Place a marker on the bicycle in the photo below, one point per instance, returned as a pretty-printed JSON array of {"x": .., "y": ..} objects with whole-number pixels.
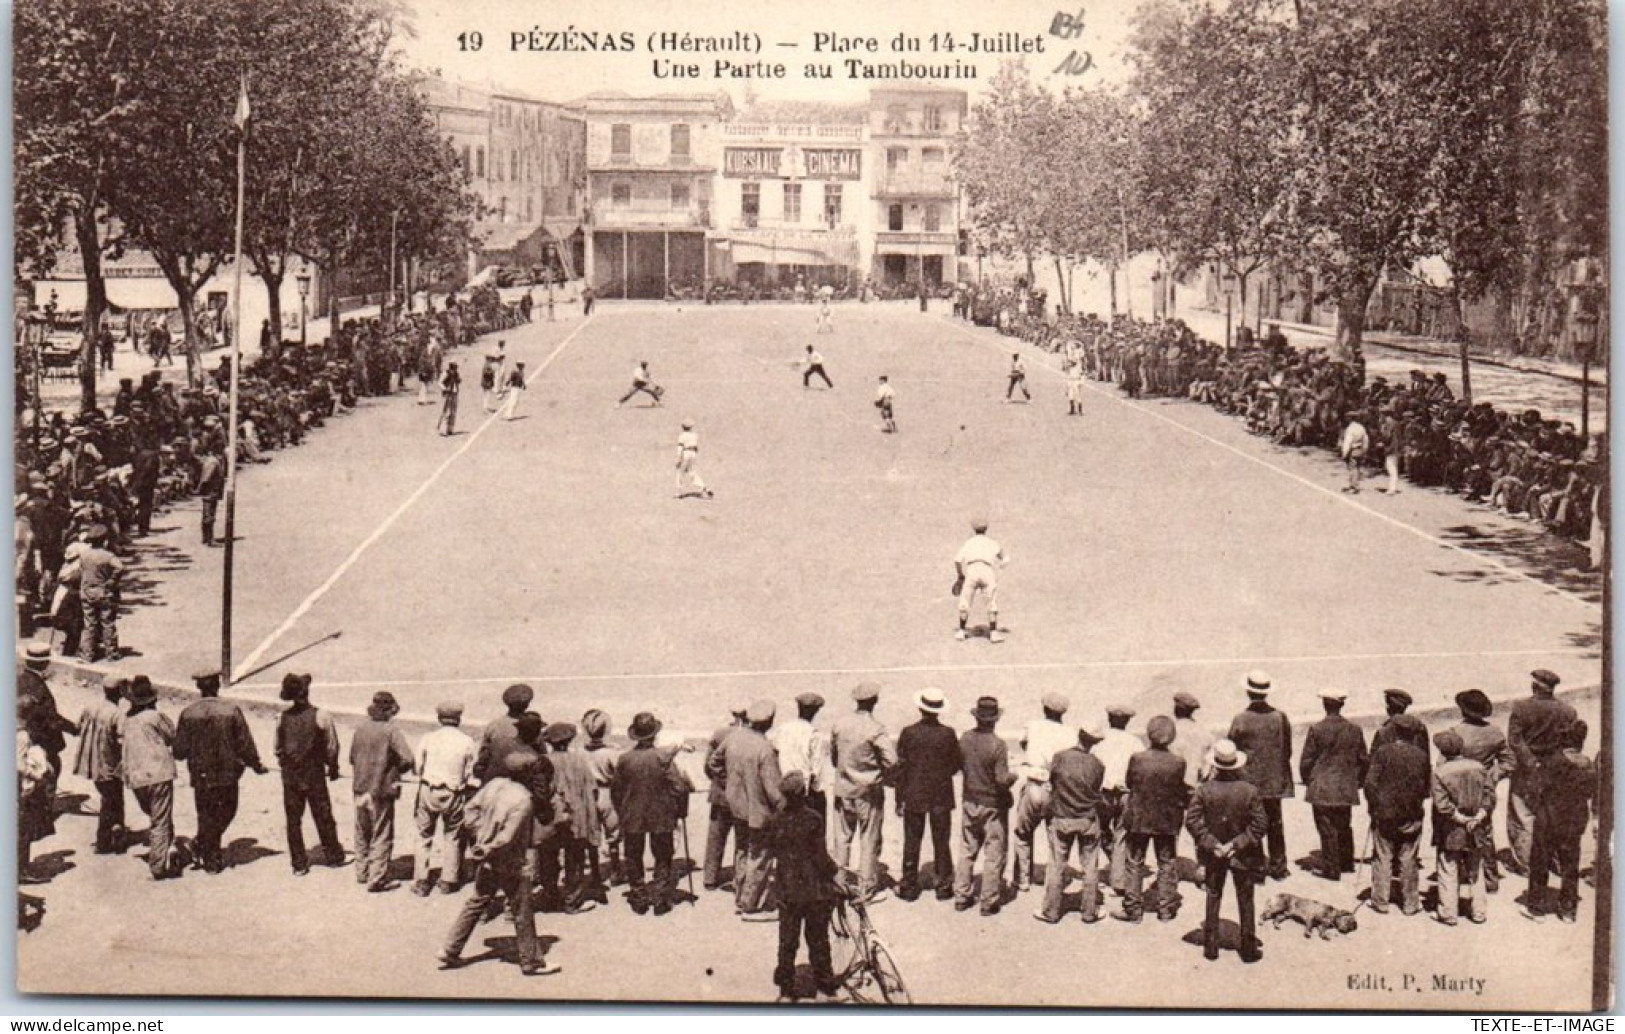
[{"x": 869, "y": 968}]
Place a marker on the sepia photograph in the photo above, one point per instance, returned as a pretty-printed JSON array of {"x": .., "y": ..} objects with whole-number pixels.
[{"x": 1241, "y": 368}]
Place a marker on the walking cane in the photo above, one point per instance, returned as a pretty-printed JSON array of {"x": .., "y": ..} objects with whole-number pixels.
[{"x": 693, "y": 899}]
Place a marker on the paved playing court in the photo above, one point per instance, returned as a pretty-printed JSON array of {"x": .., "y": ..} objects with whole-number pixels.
[{"x": 1153, "y": 545}]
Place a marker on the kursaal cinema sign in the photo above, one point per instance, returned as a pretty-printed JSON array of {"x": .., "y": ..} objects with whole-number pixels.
[{"x": 815, "y": 163}]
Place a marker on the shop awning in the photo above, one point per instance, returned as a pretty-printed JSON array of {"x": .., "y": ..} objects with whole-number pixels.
[{"x": 749, "y": 251}]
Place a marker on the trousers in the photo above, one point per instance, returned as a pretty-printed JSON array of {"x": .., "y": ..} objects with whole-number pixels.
[
  {"x": 716, "y": 845},
  {"x": 982, "y": 831},
  {"x": 110, "y": 816},
  {"x": 216, "y": 808},
  {"x": 1401, "y": 846},
  {"x": 809, "y": 919},
  {"x": 1215, "y": 873},
  {"x": 662, "y": 847},
  {"x": 1521, "y": 825},
  {"x": 1031, "y": 810},
  {"x": 158, "y": 803},
  {"x": 438, "y": 818},
  {"x": 374, "y": 838},
  {"x": 1460, "y": 871},
  {"x": 1165, "y": 893},
  {"x": 508, "y": 876},
  {"x": 914, "y": 822},
  {"x": 1063, "y": 839},
  {"x": 1551, "y": 849},
  {"x": 1275, "y": 841},
  {"x": 860, "y": 819},
  {"x": 1335, "y": 824},
  {"x": 751, "y": 874},
  {"x": 296, "y": 794}
]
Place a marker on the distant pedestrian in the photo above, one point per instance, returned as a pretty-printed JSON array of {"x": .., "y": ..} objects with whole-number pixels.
[
  {"x": 587, "y": 297},
  {"x": 806, "y": 873},
  {"x": 451, "y": 385},
  {"x": 864, "y": 755},
  {"x": 211, "y": 486},
  {"x": 826, "y": 318},
  {"x": 886, "y": 401},
  {"x": 1226, "y": 819},
  {"x": 379, "y": 756},
  {"x": 928, "y": 758},
  {"x": 214, "y": 740},
  {"x": 1353, "y": 445},
  {"x": 689, "y": 482},
  {"x": 576, "y": 835},
  {"x": 146, "y": 740},
  {"x": 445, "y": 766},
  {"x": 514, "y": 388},
  {"x": 307, "y": 752},
  {"x": 1017, "y": 379},
  {"x": 976, "y": 572},
  {"x": 99, "y": 761},
  {"x": 601, "y": 758},
  {"x": 489, "y": 385},
  {"x": 984, "y": 820}
]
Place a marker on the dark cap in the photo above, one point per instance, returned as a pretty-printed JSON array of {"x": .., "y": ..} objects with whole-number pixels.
[
  {"x": 518, "y": 695},
  {"x": 809, "y": 700},
  {"x": 1474, "y": 703},
  {"x": 1397, "y": 697},
  {"x": 1184, "y": 699},
  {"x": 559, "y": 733},
  {"x": 1546, "y": 678},
  {"x": 986, "y": 709}
]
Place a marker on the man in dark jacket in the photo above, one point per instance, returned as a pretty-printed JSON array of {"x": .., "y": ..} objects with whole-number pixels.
[
  {"x": 1152, "y": 815},
  {"x": 144, "y": 470},
  {"x": 307, "y": 751},
  {"x": 650, "y": 795},
  {"x": 1264, "y": 736},
  {"x": 212, "y": 737},
  {"x": 1226, "y": 818},
  {"x": 1075, "y": 778},
  {"x": 795, "y": 837},
  {"x": 1399, "y": 724},
  {"x": 1535, "y": 731},
  {"x": 1397, "y": 785},
  {"x": 753, "y": 798},
  {"x": 985, "y": 819},
  {"x": 927, "y": 761},
  {"x": 501, "y": 735},
  {"x": 1333, "y": 770},
  {"x": 721, "y": 822},
  {"x": 1570, "y": 783}
]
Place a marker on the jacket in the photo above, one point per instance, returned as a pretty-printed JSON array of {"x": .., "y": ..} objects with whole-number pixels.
[
  {"x": 1075, "y": 778},
  {"x": 307, "y": 745},
  {"x": 497, "y": 822},
  {"x": 1229, "y": 809},
  {"x": 1333, "y": 762},
  {"x": 650, "y": 794},
  {"x": 1397, "y": 784},
  {"x": 1535, "y": 732},
  {"x": 863, "y": 753},
  {"x": 806, "y": 872},
  {"x": 1565, "y": 802},
  {"x": 1156, "y": 793},
  {"x": 1458, "y": 796},
  {"x": 1403, "y": 726},
  {"x": 716, "y": 765},
  {"x": 753, "y": 778},
  {"x": 927, "y": 761},
  {"x": 379, "y": 756},
  {"x": 576, "y": 788},
  {"x": 145, "y": 738},
  {"x": 98, "y": 758},
  {"x": 986, "y": 776},
  {"x": 1266, "y": 736},
  {"x": 212, "y": 737}
]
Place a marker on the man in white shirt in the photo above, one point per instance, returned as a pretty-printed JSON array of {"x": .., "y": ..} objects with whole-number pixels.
[
  {"x": 445, "y": 764},
  {"x": 1192, "y": 741},
  {"x": 884, "y": 400},
  {"x": 514, "y": 387},
  {"x": 815, "y": 365},
  {"x": 689, "y": 481},
  {"x": 804, "y": 748},
  {"x": 1353, "y": 447},
  {"x": 976, "y": 566},
  {"x": 641, "y": 381},
  {"x": 1114, "y": 753},
  {"x": 1045, "y": 737}
]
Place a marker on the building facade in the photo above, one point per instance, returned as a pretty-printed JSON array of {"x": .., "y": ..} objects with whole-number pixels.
[
  {"x": 915, "y": 203},
  {"x": 792, "y": 196},
  {"x": 651, "y": 166}
]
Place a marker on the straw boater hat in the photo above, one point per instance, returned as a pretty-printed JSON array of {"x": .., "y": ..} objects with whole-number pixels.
[{"x": 1227, "y": 757}]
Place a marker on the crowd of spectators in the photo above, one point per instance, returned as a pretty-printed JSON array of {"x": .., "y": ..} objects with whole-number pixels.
[{"x": 102, "y": 474}]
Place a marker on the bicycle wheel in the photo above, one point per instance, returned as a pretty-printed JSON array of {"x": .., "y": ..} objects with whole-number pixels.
[{"x": 886, "y": 974}]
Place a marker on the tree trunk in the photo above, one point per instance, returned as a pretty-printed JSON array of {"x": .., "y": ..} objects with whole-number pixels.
[
  {"x": 1061, "y": 286},
  {"x": 273, "y": 296},
  {"x": 90, "y": 254},
  {"x": 1306, "y": 298},
  {"x": 1461, "y": 337},
  {"x": 1030, "y": 274},
  {"x": 185, "y": 296},
  {"x": 1351, "y": 308},
  {"x": 1111, "y": 271},
  {"x": 332, "y": 304}
]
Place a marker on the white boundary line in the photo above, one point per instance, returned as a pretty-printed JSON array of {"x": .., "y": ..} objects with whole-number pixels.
[
  {"x": 321, "y": 590},
  {"x": 1041, "y": 361},
  {"x": 916, "y": 669}
]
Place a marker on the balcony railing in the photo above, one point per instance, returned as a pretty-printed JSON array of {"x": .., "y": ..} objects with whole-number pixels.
[
  {"x": 648, "y": 213},
  {"x": 915, "y": 238},
  {"x": 912, "y": 182}
]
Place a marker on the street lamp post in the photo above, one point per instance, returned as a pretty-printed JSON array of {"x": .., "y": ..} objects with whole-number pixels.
[
  {"x": 303, "y": 280},
  {"x": 1229, "y": 295},
  {"x": 1585, "y": 335}
]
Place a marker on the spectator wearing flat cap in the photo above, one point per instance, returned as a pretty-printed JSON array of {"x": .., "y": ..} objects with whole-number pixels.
[
  {"x": 720, "y": 823},
  {"x": 575, "y": 830},
  {"x": 146, "y": 743},
  {"x": 445, "y": 766},
  {"x": 651, "y": 795},
  {"x": 863, "y": 754},
  {"x": 1152, "y": 816},
  {"x": 601, "y": 760},
  {"x": 1333, "y": 768},
  {"x": 1114, "y": 752},
  {"x": 804, "y": 748},
  {"x": 1043, "y": 738},
  {"x": 1192, "y": 740},
  {"x": 1486, "y": 744},
  {"x": 1399, "y": 725},
  {"x": 753, "y": 798},
  {"x": 1560, "y": 823},
  {"x": 1458, "y": 807},
  {"x": 307, "y": 752},
  {"x": 1535, "y": 731},
  {"x": 498, "y": 821},
  {"x": 99, "y": 575},
  {"x": 806, "y": 874},
  {"x": 1076, "y": 776},
  {"x": 211, "y": 485},
  {"x": 379, "y": 756},
  {"x": 1264, "y": 736},
  {"x": 984, "y": 820},
  {"x": 501, "y": 734},
  {"x": 213, "y": 738},
  {"x": 927, "y": 760},
  {"x": 98, "y": 760},
  {"x": 1227, "y": 819},
  {"x": 1397, "y": 784}
]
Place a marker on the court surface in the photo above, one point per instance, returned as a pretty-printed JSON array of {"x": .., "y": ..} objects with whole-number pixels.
[{"x": 1153, "y": 545}]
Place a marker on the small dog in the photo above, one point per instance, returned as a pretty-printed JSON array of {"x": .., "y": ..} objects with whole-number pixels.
[{"x": 1315, "y": 916}]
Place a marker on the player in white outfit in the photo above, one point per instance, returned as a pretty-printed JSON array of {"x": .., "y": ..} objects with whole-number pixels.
[
  {"x": 825, "y": 317},
  {"x": 1074, "y": 387},
  {"x": 977, "y": 566},
  {"x": 689, "y": 481},
  {"x": 884, "y": 399}
]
